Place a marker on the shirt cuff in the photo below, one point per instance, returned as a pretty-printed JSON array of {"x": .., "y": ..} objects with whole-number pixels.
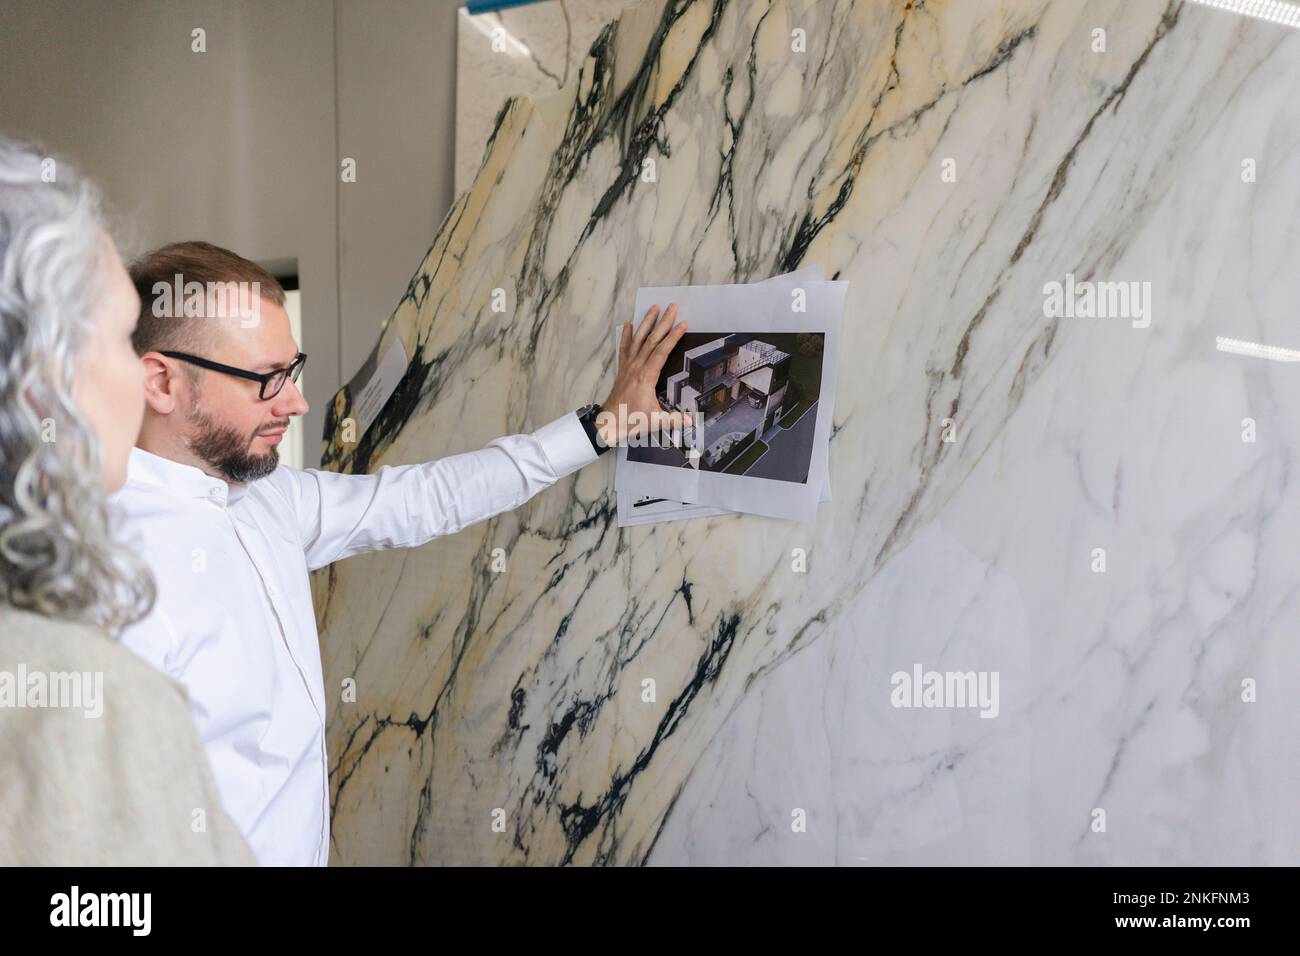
[{"x": 565, "y": 444}]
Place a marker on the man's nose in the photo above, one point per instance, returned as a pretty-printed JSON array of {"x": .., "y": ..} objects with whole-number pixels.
[{"x": 289, "y": 402}]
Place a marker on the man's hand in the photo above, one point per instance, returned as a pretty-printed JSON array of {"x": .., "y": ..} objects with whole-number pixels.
[{"x": 641, "y": 358}]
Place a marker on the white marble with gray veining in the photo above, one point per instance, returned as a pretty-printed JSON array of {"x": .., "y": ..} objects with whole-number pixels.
[
  {"x": 521, "y": 691},
  {"x": 532, "y": 50}
]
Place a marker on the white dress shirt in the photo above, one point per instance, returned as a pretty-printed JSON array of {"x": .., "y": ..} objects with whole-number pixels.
[{"x": 234, "y": 621}]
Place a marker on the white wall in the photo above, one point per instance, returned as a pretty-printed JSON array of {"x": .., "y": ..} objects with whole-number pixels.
[
  {"x": 397, "y": 119},
  {"x": 241, "y": 145}
]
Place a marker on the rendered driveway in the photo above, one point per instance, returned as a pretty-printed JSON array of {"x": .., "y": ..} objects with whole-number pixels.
[
  {"x": 741, "y": 417},
  {"x": 789, "y": 451}
]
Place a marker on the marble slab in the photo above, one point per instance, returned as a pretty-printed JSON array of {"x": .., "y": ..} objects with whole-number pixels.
[
  {"x": 1090, "y": 504},
  {"x": 532, "y": 50}
]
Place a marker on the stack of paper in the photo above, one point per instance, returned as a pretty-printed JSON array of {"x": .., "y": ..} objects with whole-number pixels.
[{"x": 756, "y": 372}]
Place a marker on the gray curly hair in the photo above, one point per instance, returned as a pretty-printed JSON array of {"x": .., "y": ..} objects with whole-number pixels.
[{"x": 58, "y": 555}]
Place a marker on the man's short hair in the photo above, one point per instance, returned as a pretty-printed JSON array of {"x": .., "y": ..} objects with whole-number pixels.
[{"x": 201, "y": 262}]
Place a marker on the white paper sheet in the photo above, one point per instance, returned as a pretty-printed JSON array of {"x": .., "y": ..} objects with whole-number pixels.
[
  {"x": 649, "y": 509},
  {"x": 751, "y": 322},
  {"x": 382, "y": 380}
]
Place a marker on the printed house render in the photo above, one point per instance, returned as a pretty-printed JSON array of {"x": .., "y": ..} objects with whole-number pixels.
[{"x": 716, "y": 378}]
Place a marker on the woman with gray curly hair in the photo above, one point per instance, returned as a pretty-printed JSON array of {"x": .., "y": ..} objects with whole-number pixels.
[{"x": 101, "y": 761}]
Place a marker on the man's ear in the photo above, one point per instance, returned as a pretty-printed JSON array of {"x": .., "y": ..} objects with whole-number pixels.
[{"x": 162, "y": 382}]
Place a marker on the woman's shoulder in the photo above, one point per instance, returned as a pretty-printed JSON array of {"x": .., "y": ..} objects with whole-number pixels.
[
  {"x": 102, "y": 759},
  {"x": 55, "y": 672},
  {"x": 42, "y": 644}
]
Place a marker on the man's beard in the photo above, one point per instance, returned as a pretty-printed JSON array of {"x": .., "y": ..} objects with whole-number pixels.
[{"x": 227, "y": 451}]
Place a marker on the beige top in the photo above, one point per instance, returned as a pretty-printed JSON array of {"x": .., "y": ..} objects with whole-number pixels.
[{"x": 116, "y": 775}]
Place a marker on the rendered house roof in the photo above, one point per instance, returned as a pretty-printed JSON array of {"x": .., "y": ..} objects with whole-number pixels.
[
  {"x": 763, "y": 355},
  {"x": 706, "y": 347},
  {"x": 713, "y": 357}
]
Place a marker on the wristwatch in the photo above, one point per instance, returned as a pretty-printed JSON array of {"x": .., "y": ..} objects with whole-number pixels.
[{"x": 587, "y": 416}]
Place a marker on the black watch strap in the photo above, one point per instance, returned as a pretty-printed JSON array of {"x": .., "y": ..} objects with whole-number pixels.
[{"x": 587, "y": 416}]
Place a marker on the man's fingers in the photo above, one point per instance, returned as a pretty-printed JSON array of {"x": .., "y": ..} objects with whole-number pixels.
[
  {"x": 647, "y": 323},
  {"x": 625, "y": 343},
  {"x": 660, "y": 354},
  {"x": 663, "y": 328},
  {"x": 660, "y": 325}
]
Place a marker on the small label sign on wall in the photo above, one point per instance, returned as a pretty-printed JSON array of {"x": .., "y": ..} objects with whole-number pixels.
[{"x": 380, "y": 386}]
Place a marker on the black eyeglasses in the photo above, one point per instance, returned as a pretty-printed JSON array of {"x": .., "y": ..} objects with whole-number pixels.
[{"x": 271, "y": 382}]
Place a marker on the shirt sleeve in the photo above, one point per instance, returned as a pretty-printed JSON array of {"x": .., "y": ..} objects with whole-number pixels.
[
  {"x": 154, "y": 639},
  {"x": 402, "y": 506}
]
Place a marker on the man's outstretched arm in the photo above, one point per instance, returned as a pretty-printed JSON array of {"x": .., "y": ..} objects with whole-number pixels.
[{"x": 407, "y": 505}]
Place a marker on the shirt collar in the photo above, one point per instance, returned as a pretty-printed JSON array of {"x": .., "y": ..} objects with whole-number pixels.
[{"x": 186, "y": 480}]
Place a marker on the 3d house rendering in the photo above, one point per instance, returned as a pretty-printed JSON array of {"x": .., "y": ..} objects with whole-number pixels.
[{"x": 735, "y": 386}]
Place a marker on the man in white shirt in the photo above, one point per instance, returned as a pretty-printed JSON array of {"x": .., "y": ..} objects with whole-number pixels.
[{"x": 231, "y": 534}]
